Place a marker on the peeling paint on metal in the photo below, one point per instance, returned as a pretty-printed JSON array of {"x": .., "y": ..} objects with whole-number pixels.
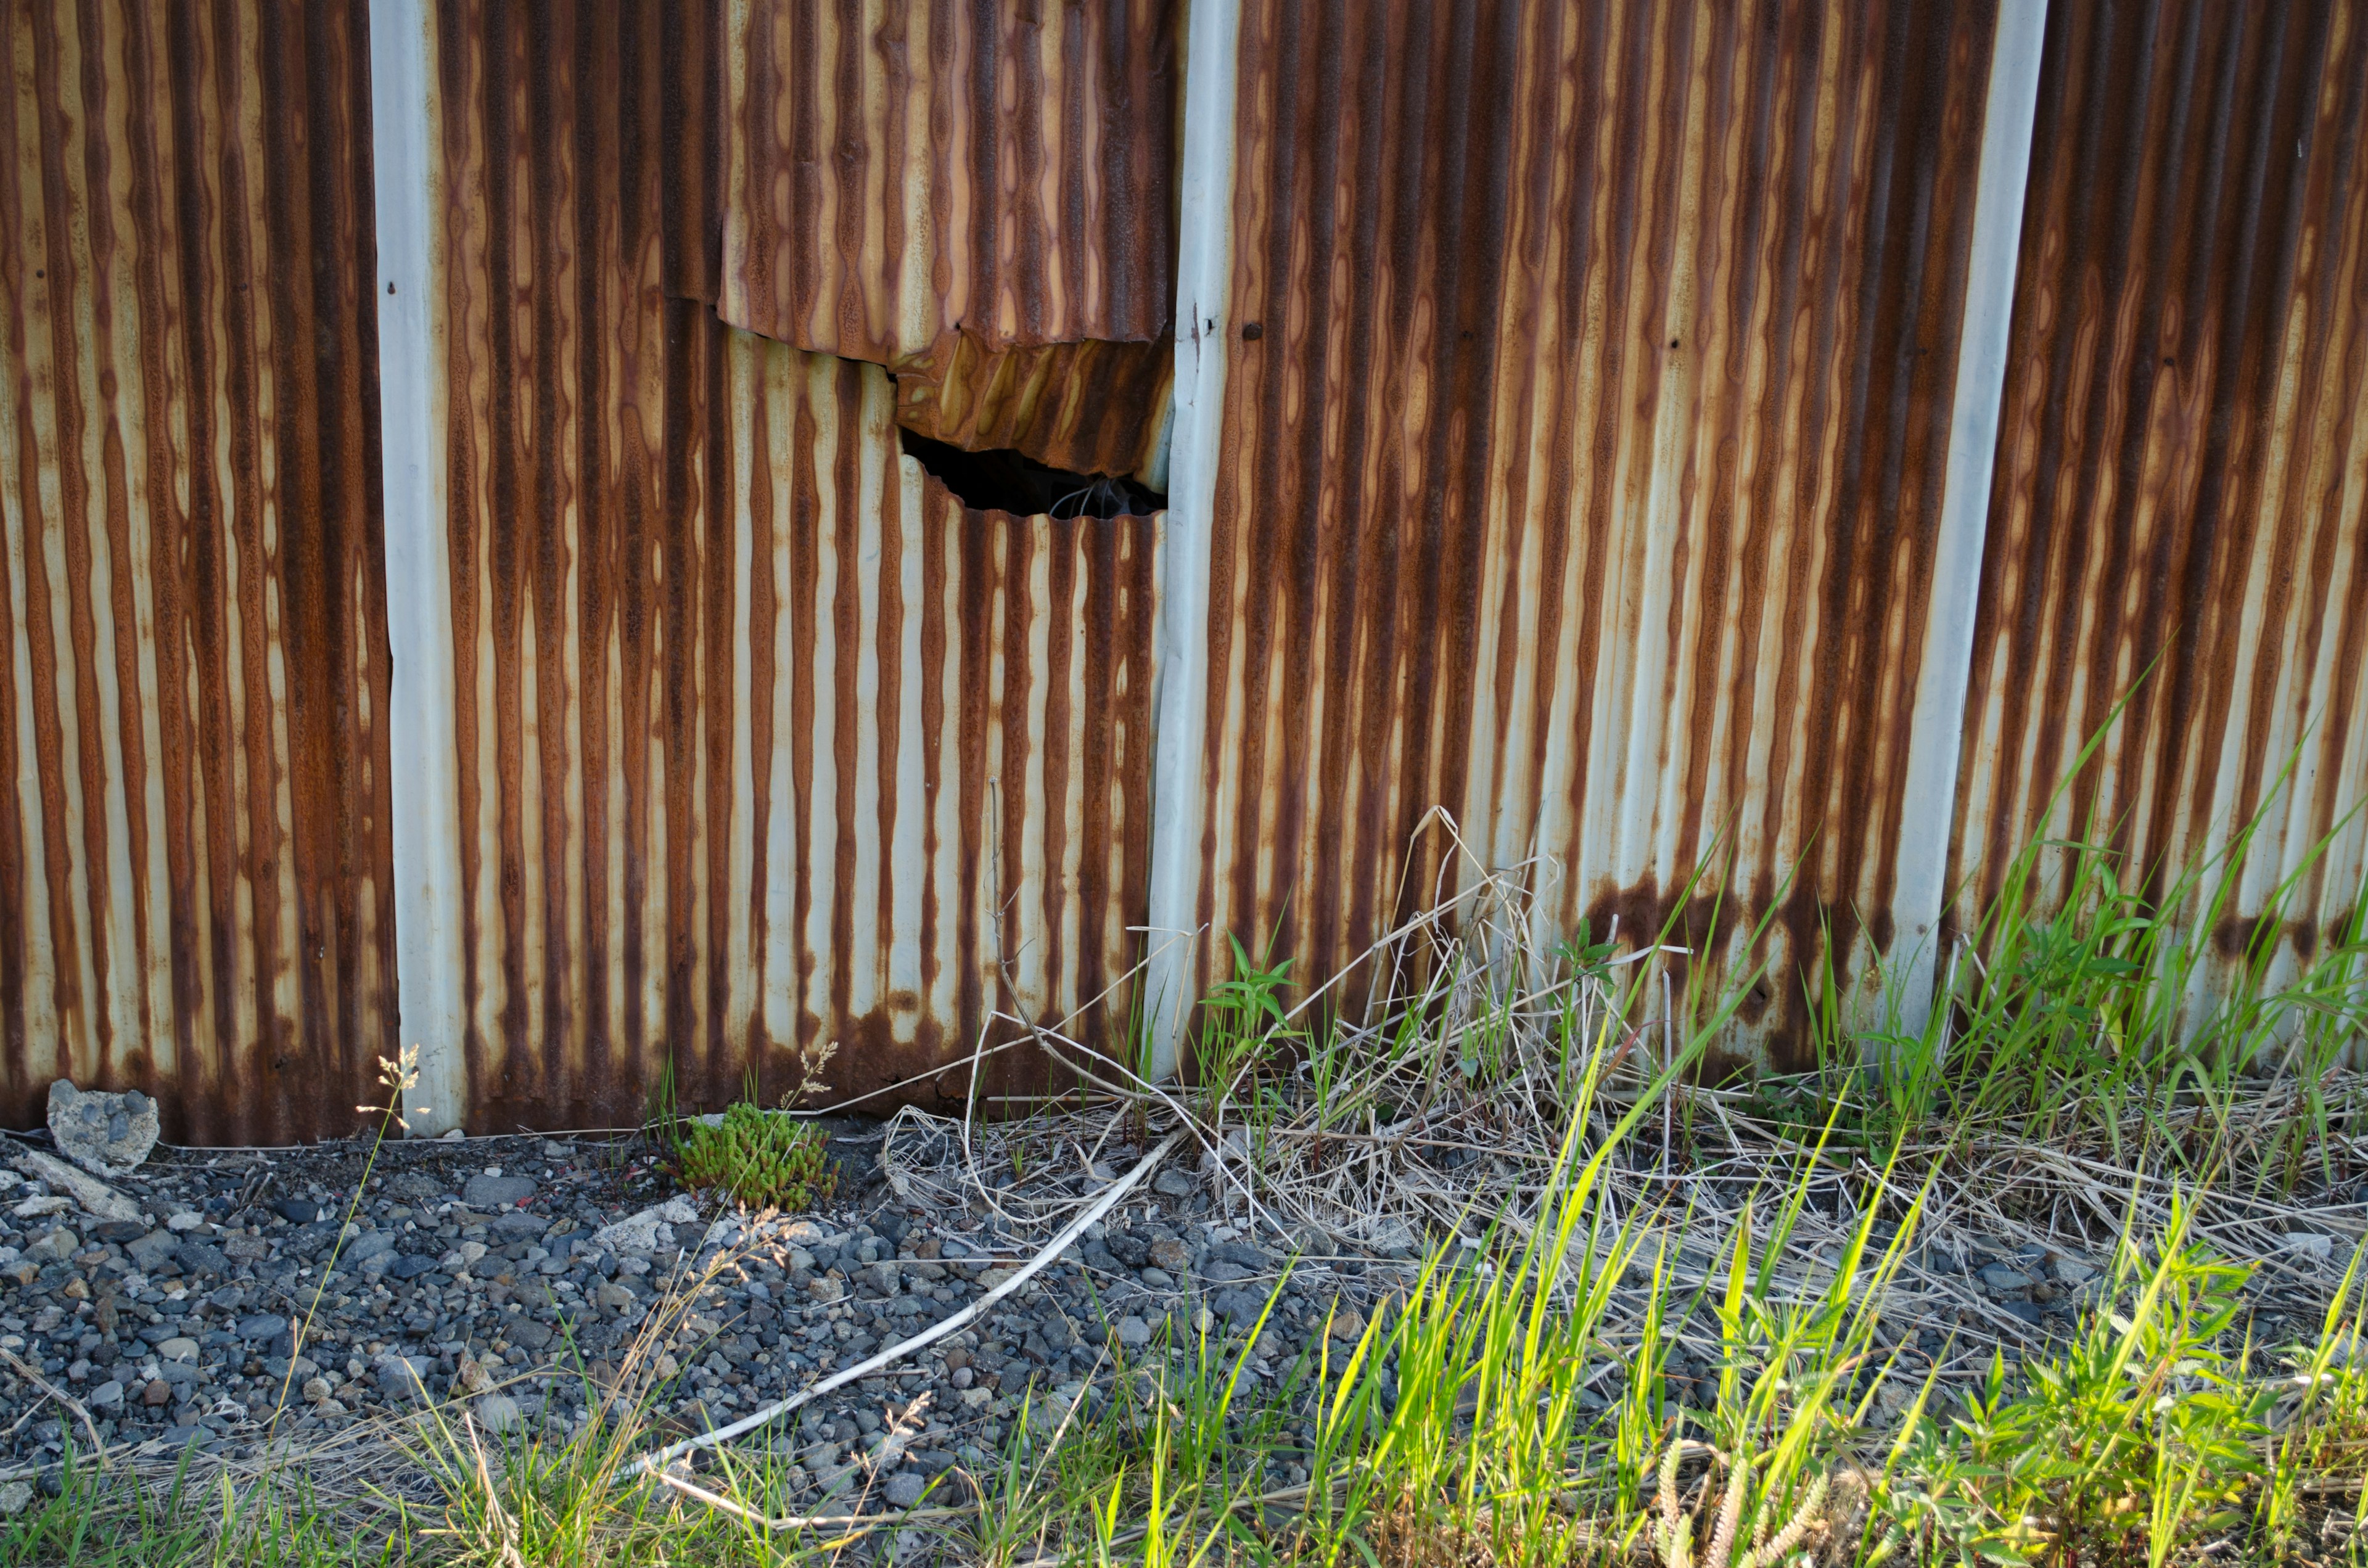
[
  {"x": 2183, "y": 475},
  {"x": 763, "y": 741},
  {"x": 195, "y": 887},
  {"x": 1585, "y": 429}
]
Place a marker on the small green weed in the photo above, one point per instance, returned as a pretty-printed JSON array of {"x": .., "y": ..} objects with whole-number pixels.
[
  {"x": 2144, "y": 1436},
  {"x": 762, "y": 1158}
]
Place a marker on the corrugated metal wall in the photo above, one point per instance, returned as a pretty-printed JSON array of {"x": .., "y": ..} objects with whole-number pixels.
[
  {"x": 894, "y": 170},
  {"x": 1585, "y": 428},
  {"x": 2182, "y": 471},
  {"x": 194, "y": 887},
  {"x": 944, "y": 188},
  {"x": 763, "y": 739},
  {"x": 1092, "y": 408},
  {"x": 1588, "y": 394}
]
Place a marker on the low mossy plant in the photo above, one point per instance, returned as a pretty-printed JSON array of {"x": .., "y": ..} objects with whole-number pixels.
[{"x": 762, "y": 1158}]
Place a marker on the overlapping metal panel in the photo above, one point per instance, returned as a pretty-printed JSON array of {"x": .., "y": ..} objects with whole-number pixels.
[
  {"x": 1583, "y": 444},
  {"x": 893, "y": 170},
  {"x": 2182, "y": 477},
  {"x": 194, "y": 889},
  {"x": 1093, "y": 407},
  {"x": 764, "y": 740}
]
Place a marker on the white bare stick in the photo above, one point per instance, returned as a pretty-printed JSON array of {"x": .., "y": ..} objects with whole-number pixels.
[
  {"x": 929, "y": 1335},
  {"x": 851, "y": 1522}
]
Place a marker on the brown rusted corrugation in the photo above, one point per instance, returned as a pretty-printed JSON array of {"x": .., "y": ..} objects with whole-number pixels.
[
  {"x": 1095, "y": 407},
  {"x": 1584, "y": 432},
  {"x": 895, "y": 170},
  {"x": 764, "y": 740},
  {"x": 2183, "y": 475},
  {"x": 195, "y": 896}
]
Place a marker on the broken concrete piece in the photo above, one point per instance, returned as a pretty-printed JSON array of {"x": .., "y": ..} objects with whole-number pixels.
[
  {"x": 650, "y": 1229},
  {"x": 105, "y": 1134},
  {"x": 91, "y": 1194}
]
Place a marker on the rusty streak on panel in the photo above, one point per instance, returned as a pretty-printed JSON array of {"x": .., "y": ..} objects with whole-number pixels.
[
  {"x": 894, "y": 170},
  {"x": 765, "y": 742},
  {"x": 195, "y": 889},
  {"x": 1095, "y": 407},
  {"x": 2178, "y": 508},
  {"x": 1587, "y": 429}
]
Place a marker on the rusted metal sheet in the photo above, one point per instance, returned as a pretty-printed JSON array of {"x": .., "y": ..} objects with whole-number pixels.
[
  {"x": 2178, "y": 505},
  {"x": 1590, "y": 376},
  {"x": 194, "y": 887},
  {"x": 763, "y": 740},
  {"x": 1094, "y": 407},
  {"x": 891, "y": 171}
]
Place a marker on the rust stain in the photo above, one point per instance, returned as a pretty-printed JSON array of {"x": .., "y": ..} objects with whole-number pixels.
[
  {"x": 195, "y": 889},
  {"x": 1094, "y": 407},
  {"x": 765, "y": 740},
  {"x": 1589, "y": 412},
  {"x": 2182, "y": 476},
  {"x": 893, "y": 172}
]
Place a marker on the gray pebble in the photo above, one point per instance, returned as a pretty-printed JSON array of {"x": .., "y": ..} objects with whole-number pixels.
[
  {"x": 366, "y": 1246},
  {"x": 905, "y": 1488},
  {"x": 403, "y": 1379},
  {"x": 491, "y": 1191}
]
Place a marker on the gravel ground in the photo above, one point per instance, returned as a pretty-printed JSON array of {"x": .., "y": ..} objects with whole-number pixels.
[
  {"x": 476, "y": 1269},
  {"x": 480, "y": 1270}
]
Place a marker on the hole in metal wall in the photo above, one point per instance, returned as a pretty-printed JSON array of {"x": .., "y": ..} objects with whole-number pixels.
[{"x": 1003, "y": 480}]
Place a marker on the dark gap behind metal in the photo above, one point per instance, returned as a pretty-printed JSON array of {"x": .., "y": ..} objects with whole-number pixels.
[{"x": 1008, "y": 481}]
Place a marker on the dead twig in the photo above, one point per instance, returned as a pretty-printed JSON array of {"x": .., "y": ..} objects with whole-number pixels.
[{"x": 26, "y": 1371}]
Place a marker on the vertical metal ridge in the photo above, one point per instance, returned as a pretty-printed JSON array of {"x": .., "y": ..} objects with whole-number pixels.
[
  {"x": 1586, "y": 423},
  {"x": 423, "y": 801},
  {"x": 765, "y": 742},
  {"x": 1938, "y": 728},
  {"x": 894, "y": 173},
  {"x": 1093, "y": 407},
  {"x": 196, "y": 894},
  {"x": 1183, "y": 793},
  {"x": 2179, "y": 494}
]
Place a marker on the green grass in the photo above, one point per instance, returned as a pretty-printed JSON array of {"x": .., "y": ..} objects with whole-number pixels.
[
  {"x": 1699, "y": 1326},
  {"x": 274, "y": 1523}
]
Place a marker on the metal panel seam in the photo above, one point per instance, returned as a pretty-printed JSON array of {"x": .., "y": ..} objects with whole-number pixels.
[
  {"x": 1179, "y": 674},
  {"x": 1937, "y": 727},
  {"x": 424, "y": 788}
]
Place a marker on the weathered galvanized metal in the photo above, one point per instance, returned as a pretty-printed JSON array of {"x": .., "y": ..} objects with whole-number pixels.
[
  {"x": 1584, "y": 437},
  {"x": 2180, "y": 506},
  {"x": 1092, "y": 408},
  {"x": 194, "y": 895},
  {"x": 1579, "y": 421},
  {"x": 978, "y": 196},
  {"x": 762, "y": 740},
  {"x": 893, "y": 170}
]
